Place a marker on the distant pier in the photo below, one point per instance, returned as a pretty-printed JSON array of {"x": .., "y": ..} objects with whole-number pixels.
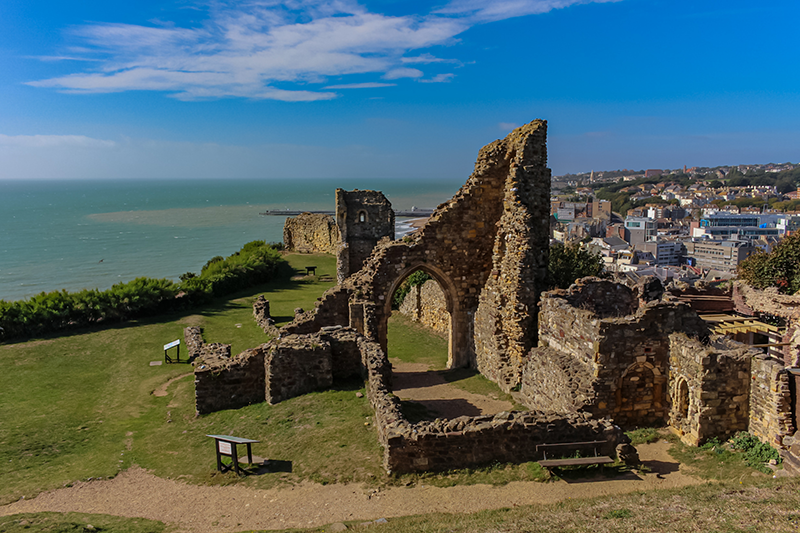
[{"x": 420, "y": 213}]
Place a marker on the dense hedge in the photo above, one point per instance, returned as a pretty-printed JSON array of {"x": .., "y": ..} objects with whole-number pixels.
[{"x": 48, "y": 312}]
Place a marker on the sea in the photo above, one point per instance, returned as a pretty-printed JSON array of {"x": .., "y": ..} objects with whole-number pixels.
[{"x": 91, "y": 234}]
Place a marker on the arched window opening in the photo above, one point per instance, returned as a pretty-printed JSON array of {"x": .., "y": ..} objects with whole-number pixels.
[{"x": 362, "y": 216}]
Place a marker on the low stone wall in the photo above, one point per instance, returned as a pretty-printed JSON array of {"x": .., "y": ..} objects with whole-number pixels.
[
  {"x": 426, "y": 304},
  {"x": 199, "y": 349},
  {"x": 311, "y": 233},
  {"x": 332, "y": 309},
  {"x": 263, "y": 318},
  {"x": 469, "y": 441},
  {"x": 709, "y": 387},
  {"x": 297, "y": 364},
  {"x": 770, "y": 401},
  {"x": 229, "y": 384}
]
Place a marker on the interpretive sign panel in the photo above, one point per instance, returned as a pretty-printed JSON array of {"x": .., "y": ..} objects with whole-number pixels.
[
  {"x": 171, "y": 344},
  {"x": 224, "y": 447}
]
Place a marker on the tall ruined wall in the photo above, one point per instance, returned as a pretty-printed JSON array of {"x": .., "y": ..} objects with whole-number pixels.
[
  {"x": 311, "y": 233},
  {"x": 456, "y": 248},
  {"x": 426, "y": 304},
  {"x": 709, "y": 387},
  {"x": 364, "y": 218},
  {"x": 770, "y": 401},
  {"x": 506, "y": 321}
]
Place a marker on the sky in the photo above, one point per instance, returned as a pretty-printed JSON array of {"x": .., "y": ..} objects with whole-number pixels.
[{"x": 390, "y": 89}]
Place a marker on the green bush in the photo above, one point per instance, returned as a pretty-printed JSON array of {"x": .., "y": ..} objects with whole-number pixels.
[
  {"x": 54, "y": 311},
  {"x": 415, "y": 279},
  {"x": 570, "y": 262}
]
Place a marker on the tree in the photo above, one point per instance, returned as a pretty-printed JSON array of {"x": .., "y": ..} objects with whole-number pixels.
[
  {"x": 779, "y": 268},
  {"x": 570, "y": 262}
]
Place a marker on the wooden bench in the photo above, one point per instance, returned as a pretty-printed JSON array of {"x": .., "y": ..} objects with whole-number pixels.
[{"x": 573, "y": 461}]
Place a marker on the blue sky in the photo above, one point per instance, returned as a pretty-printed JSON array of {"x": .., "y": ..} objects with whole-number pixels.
[{"x": 390, "y": 89}]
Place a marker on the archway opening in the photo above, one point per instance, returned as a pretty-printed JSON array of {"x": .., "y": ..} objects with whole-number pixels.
[{"x": 420, "y": 348}]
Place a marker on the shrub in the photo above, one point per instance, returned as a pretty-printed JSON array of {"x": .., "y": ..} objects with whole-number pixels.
[
  {"x": 780, "y": 268},
  {"x": 48, "y": 312},
  {"x": 756, "y": 453}
]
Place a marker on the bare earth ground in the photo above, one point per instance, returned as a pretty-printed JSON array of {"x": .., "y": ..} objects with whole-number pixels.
[
  {"x": 412, "y": 381},
  {"x": 136, "y": 493}
]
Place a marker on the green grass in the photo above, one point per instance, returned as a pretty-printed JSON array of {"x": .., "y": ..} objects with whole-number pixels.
[
  {"x": 471, "y": 380},
  {"x": 80, "y": 405},
  {"x": 714, "y": 507},
  {"x": 77, "y": 523},
  {"x": 414, "y": 343},
  {"x": 646, "y": 435}
]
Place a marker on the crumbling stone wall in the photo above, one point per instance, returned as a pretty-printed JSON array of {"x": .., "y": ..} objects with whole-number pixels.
[
  {"x": 363, "y": 218},
  {"x": 199, "y": 349},
  {"x": 297, "y": 364},
  {"x": 619, "y": 343},
  {"x": 426, "y": 304},
  {"x": 262, "y": 316},
  {"x": 709, "y": 387},
  {"x": 311, "y": 233},
  {"x": 770, "y": 401},
  {"x": 229, "y": 383},
  {"x": 469, "y": 441}
]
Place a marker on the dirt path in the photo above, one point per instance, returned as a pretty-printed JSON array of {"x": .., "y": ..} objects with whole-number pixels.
[
  {"x": 204, "y": 509},
  {"x": 412, "y": 381}
]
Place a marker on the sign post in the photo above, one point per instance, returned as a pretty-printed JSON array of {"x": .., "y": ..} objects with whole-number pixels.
[{"x": 174, "y": 344}]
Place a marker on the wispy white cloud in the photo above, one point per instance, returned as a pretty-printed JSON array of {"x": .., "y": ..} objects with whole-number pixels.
[
  {"x": 397, "y": 73},
  {"x": 439, "y": 78},
  {"x": 49, "y": 141},
  {"x": 274, "y": 50},
  {"x": 507, "y": 126},
  {"x": 368, "y": 85}
]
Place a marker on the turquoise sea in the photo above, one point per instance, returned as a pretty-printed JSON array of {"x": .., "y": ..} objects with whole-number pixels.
[{"x": 91, "y": 234}]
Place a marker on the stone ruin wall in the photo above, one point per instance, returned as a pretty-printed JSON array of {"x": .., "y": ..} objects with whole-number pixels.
[
  {"x": 469, "y": 441},
  {"x": 364, "y": 218},
  {"x": 605, "y": 351},
  {"x": 457, "y": 247},
  {"x": 709, "y": 387},
  {"x": 230, "y": 383},
  {"x": 426, "y": 304},
  {"x": 770, "y": 401},
  {"x": 311, "y": 233},
  {"x": 506, "y": 318},
  {"x": 263, "y": 318}
]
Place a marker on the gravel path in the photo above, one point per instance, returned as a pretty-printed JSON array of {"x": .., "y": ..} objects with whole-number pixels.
[{"x": 195, "y": 508}]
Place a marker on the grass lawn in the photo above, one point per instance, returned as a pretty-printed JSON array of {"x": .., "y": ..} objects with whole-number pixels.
[{"x": 80, "y": 405}]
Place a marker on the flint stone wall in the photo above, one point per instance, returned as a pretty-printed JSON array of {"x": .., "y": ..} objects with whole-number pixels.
[
  {"x": 262, "y": 316},
  {"x": 297, "y": 364},
  {"x": 363, "y": 218},
  {"x": 311, "y": 233},
  {"x": 199, "y": 349},
  {"x": 426, "y": 304},
  {"x": 709, "y": 387},
  {"x": 620, "y": 343},
  {"x": 770, "y": 401},
  {"x": 230, "y": 383},
  {"x": 469, "y": 441}
]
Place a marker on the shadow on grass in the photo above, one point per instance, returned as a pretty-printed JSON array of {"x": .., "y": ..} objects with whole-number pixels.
[
  {"x": 455, "y": 375},
  {"x": 595, "y": 473}
]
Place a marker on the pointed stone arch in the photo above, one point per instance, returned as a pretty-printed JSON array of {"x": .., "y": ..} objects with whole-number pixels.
[{"x": 457, "y": 355}]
